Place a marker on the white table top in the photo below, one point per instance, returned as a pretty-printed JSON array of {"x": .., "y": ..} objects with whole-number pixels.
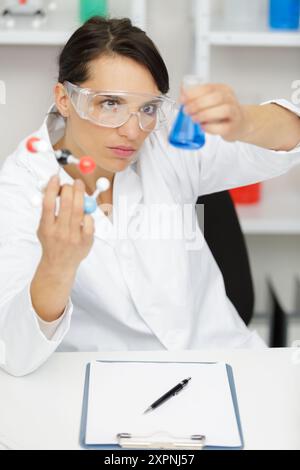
[{"x": 43, "y": 410}]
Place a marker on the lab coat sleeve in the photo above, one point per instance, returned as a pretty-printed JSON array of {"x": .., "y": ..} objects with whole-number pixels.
[
  {"x": 225, "y": 165},
  {"x": 23, "y": 341},
  {"x": 49, "y": 328},
  {"x": 221, "y": 165}
]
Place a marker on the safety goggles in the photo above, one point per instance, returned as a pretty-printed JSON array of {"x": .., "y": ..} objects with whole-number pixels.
[{"x": 114, "y": 108}]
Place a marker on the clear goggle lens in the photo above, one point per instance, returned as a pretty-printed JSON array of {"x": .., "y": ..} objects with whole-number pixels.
[{"x": 113, "y": 109}]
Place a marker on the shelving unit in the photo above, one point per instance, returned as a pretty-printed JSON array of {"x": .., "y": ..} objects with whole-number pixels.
[
  {"x": 212, "y": 30},
  {"x": 139, "y": 13},
  {"x": 240, "y": 49},
  {"x": 278, "y": 213},
  {"x": 55, "y": 32}
]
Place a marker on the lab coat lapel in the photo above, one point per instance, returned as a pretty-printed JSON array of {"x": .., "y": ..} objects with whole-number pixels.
[
  {"x": 127, "y": 195},
  {"x": 162, "y": 293},
  {"x": 127, "y": 189}
]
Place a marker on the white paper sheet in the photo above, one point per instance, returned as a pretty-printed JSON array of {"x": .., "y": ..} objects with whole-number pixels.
[{"x": 120, "y": 392}]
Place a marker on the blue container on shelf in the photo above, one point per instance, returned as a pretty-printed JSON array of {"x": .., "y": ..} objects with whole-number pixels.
[{"x": 284, "y": 14}]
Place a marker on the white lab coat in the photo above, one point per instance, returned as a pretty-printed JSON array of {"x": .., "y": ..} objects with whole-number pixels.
[{"x": 129, "y": 294}]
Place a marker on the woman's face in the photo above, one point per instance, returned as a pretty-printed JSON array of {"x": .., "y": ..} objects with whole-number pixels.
[{"x": 86, "y": 138}]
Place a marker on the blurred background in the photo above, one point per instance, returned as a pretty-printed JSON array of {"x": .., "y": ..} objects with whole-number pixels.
[{"x": 252, "y": 46}]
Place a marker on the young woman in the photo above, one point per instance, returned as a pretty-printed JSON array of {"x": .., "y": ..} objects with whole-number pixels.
[{"x": 82, "y": 282}]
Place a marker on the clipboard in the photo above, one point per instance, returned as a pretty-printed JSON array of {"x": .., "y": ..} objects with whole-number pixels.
[{"x": 157, "y": 442}]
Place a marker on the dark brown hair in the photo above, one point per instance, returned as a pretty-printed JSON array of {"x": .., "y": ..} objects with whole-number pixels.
[{"x": 102, "y": 36}]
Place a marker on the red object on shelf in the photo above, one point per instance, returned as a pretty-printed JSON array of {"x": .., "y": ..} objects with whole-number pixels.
[{"x": 247, "y": 194}]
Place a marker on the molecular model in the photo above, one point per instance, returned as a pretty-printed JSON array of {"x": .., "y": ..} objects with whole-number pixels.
[{"x": 86, "y": 165}]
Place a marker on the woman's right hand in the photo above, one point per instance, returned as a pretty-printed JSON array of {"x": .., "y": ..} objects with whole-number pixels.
[{"x": 67, "y": 237}]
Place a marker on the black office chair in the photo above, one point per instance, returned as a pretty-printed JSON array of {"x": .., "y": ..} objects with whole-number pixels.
[{"x": 226, "y": 241}]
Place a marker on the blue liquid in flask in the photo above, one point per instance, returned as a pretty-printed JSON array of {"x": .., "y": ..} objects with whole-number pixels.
[{"x": 186, "y": 134}]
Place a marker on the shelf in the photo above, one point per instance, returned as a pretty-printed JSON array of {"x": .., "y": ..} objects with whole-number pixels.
[
  {"x": 58, "y": 27},
  {"x": 224, "y": 33},
  {"x": 34, "y": 38},
  {"x": 254, "y": 38},
  {"x": 53, "y": 32},
  {"x": 257, "y": 224},
  {"x": 278, "y": 213}
]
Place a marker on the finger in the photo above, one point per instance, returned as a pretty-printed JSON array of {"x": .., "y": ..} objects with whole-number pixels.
[
  {"x": 44, "y": 187},
  {"x": 206, "y": 89},
  {"x": 65, "y": 211},
  {"x": 215, "y": 115},
  {"x": 225, "y": 91},
  {"x": 189, "y": 94},
  {"x": 78, "y": 208},
  {"x": 88, "y": 227},
  {"x": 205, "y": 102},
  {"x": 49, "y": 201},
  {"x": 223, "y": 128}
]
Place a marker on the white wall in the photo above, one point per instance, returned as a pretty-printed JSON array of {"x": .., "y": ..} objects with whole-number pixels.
[{"x": 29, "y": 74}]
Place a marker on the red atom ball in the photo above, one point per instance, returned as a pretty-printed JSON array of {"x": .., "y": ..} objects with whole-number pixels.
[
  {"x": 87, "y": 165},
  {"x": 30, "y": 144}
]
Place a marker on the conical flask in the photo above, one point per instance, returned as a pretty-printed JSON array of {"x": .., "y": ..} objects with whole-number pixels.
[{"x": 187, "y": 134}]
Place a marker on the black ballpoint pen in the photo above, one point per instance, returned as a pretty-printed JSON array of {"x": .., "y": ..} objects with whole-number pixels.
[{"x": 169, "y": 394}]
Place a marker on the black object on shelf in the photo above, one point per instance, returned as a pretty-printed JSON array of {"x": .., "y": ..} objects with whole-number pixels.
[{"x": 279, "y": 321}]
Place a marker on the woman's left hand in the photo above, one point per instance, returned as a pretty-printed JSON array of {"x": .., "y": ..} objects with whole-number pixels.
[{"x": 216, "y": 108}]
